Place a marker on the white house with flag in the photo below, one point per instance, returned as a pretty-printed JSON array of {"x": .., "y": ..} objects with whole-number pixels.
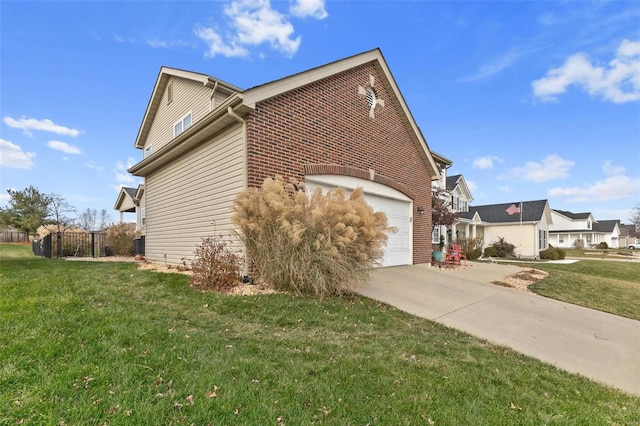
[{"x": 525, "y": 224}]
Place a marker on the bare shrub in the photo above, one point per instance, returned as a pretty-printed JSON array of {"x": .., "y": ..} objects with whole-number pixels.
[
  {"x": 120, "y": 239},
  {"x": 309, "y": 244},
  {"x": 471, "y": 247},
  {"x": 215, "y": 265}
]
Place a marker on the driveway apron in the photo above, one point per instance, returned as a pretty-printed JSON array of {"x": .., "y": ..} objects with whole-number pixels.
[{"x": 601, "y": 346}]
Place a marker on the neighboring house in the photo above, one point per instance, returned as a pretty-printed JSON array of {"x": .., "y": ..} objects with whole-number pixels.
[
  {"x": 523, "y": 224},
  {"x": 344, "y": 124},
  {"x": 131, "y": 200},
  {"x": 571, "y": 229},
  {"x": 609, "y": 231},
  {"x": 458, "y": 198},
  {"x": 628, "y": 235}
]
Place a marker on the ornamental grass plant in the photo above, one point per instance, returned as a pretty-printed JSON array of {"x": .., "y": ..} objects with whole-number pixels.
[{"x": 320, "y": 244}]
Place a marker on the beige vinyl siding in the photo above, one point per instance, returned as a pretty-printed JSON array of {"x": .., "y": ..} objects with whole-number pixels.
[
  {"x": 184, "y": 198},
  {"x": 188, "y": 96},
  {"x": 524, "y": 237},
  {"x": 127, "y": 203}
]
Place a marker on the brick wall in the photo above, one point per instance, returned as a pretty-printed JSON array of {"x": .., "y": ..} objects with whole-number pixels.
[{"x": 328, "y": 123}]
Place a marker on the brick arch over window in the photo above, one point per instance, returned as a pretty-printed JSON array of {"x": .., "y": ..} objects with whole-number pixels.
[{"x": 336, "y": 169}]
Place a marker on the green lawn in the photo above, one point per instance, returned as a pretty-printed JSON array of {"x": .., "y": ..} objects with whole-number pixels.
[
  {"x": 103, "y": 343},
  {"x": 607, "y": 286}
]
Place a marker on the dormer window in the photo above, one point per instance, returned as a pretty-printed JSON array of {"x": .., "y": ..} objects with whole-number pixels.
[{"x": 182, "y": 125}]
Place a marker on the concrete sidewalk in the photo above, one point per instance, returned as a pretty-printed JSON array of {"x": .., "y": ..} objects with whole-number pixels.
[{"x": 601, "y": 346}]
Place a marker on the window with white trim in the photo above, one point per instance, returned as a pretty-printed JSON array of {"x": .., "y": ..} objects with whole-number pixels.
[
  {"x": 148, "y": 151},
  {"x": 143, "y": 217},
  {"x": 542, "y": 236},
  {"x": 435, "y": 235},
  {"x": 182, "y": 125}
]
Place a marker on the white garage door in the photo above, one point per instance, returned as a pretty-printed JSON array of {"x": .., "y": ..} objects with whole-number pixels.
[{"x": 397, "y": 207}]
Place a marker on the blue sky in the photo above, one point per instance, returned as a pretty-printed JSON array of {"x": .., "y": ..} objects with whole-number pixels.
[{"x": 530, "y": 99}]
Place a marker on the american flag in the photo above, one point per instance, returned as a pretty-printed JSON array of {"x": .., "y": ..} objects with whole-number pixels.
[{"x": 513, "y": 209}]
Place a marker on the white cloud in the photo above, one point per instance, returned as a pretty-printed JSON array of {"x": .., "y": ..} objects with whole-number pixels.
[
  {"x": 28, "y": 124},
  {"x": 619, "y": 82},
  {"x": 13, "y": 157},
  {"x": 256, "y": 22},
  {"x": 484, "y": 163},
  {"x": 551, "y": 167},
  {"x": 92, "y": 165},
  {"x": 162, "y": 44},
  {"x": 253, "y": 23},
  {"x": 500, "y": 63},
  {"x": 611, "y": 169},
  {"x": 217, "y": 46},
  {"x": 64, "y": 147},
  {"x": 313, "y": 8},
  {"x": 505, "y": 188},
  {"x": 121, "y": 173},
  {"x": 124, "y": 177},
  {"x": 612, "y": 188},
  {"x": 4, "y": 197}
]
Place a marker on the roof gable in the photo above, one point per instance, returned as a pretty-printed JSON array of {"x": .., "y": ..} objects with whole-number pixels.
[
  {"x": 606, "y": 225},
  {"x": 458, "y": 182},
  {"x": 126, "y": 200},
  {"x": 158, "y": 91},
  {"x": 573, "y": 216},
  {"x": 452, "y": 181},
  {"x": 278, "y": 87}
]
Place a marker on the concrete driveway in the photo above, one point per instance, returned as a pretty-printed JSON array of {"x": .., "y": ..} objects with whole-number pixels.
[{"x": 601, "y": 346}]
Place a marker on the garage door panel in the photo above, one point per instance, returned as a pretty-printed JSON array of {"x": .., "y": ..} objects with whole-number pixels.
[{"x": 398, "y": 250}]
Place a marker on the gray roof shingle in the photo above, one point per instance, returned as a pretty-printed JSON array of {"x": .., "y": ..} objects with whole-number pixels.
[
  {"x": 498, "y": 213},
  {"x": 605, "y": 225}
]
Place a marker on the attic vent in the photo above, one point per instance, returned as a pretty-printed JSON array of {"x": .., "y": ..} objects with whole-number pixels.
[
  {"x": 371, "y": 97},
  {"x": 169, "y": 93},
  {"x": 369, "y": 93}
]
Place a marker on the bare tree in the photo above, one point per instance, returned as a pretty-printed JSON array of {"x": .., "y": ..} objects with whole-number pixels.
[
  {"x": 87, "y": 219},
  {"x": 91, "y": 220},
  {"x": 105, "y": 219},
  {"x": 635, "y": 219},
  {"x": 59, "y": 208}
]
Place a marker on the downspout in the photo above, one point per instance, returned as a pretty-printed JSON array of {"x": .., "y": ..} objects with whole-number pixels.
[
  {"x": 232, "y": 113},
  {"x": 242, "y": 121}
]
